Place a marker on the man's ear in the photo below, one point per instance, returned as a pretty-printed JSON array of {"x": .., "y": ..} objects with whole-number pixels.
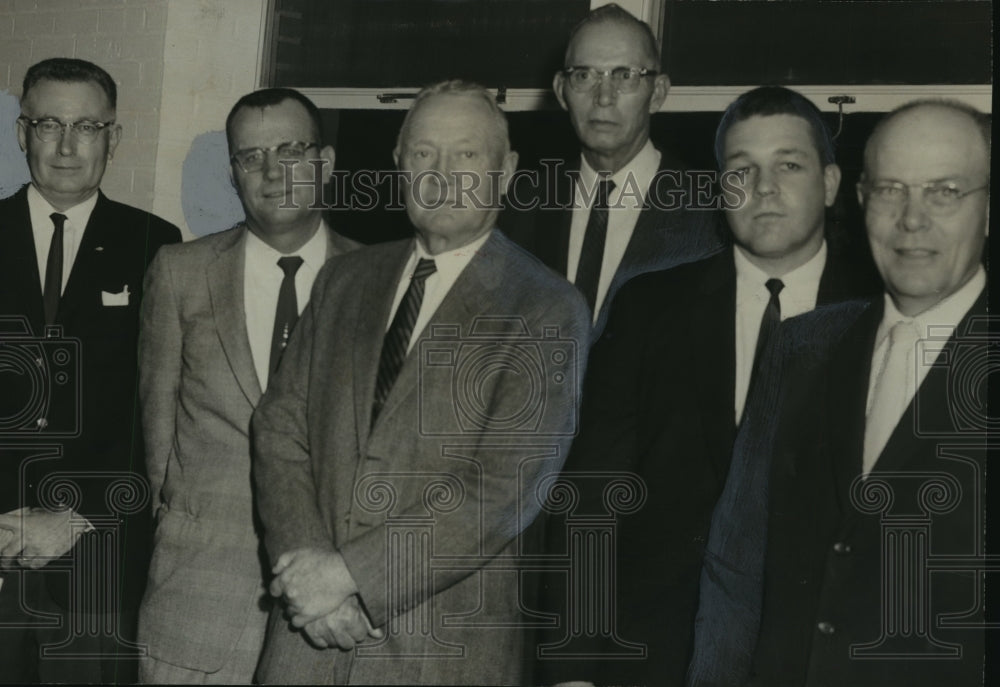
[
  {"x": 114, "y": 139},
  {"x": 22, "y": 135},
  {"x": 328, "y": 155},
  {"x": 509, "y": 166},
  {"x": 558, "y": 84},
  {"x": 661, "y": 86},
  {"x": 831, "y": 182}
]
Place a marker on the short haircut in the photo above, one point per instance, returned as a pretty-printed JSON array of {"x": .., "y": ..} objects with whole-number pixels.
[
  {"x": 459, "y": 87},
  {"x": 269, "y": 97},
  {"x": 614, "y": 13},
  {"x": 70, "y": 70},
  {"x": 775, "y": 100},
  {"x": 983, "y": 122}
]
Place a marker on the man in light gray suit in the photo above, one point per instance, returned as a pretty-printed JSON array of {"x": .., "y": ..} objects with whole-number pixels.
[
  {"x": 431, "y": 387},
  {"x": 215, "y": 320}
]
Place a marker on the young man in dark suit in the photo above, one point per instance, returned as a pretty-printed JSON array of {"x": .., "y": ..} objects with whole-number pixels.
[
  {"x": 862, "y": 457},
  {"x": 667, "y": 382},
  {"x": 610, "y": 86},
  {"x": 75, "y": 495}
]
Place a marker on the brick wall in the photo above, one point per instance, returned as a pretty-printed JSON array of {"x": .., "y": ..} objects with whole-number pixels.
[
  {"x": 125, "y": 37},
  {"x": 211, "y": 59}
]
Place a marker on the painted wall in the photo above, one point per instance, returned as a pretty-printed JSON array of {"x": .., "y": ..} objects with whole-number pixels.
[{"x": 125, "y": 37}]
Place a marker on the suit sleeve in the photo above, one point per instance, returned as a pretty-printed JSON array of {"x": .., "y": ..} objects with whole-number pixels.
[
  {"x": 500, "y": 483},
  {"x": 731, "y": 588},
  {"x": 282, "y": 471},
  {"x": 160, "y": 347}
]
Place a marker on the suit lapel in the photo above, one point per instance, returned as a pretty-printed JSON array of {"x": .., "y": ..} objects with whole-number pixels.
[
  {"x": 85, "y": 277},
  {"x": 460, "y": 306},
  {"x": 714, "y": 322},
  {"x": 933, "y": 399},
  {"x": 553, "y": 246},
  {"x": 20, "y": 262},
  {"x": 373, "y": 317},
  {"x": 225, "y": 288},
  {"x": 847, "y": 394}
]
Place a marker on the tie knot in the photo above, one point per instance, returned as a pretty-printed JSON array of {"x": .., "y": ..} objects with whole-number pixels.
[
  {"x": 290, "y": 264},
  {"x": 425, "y": 268},
  {"x": 604, "y": 188},
  {"x": 904, "y": 332},
  {"x": 58, "y": 219},
  {"x": 774, "y": 286}
]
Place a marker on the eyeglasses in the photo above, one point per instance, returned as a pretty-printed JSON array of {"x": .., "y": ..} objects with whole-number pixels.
[
  {"x": 624, "y": 79},
  {"x": 253, "y": 159},
  {"x": 51, "y": 129},
  {"x": 940, "y": 198}
]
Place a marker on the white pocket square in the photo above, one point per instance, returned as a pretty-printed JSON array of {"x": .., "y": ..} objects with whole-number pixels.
[{"x": 115, "y": 299}]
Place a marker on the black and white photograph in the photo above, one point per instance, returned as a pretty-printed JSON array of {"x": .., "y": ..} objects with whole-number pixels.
[{"x": 551, "y": 343}]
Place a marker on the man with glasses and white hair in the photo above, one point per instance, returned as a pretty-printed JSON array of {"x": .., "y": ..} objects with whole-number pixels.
[
  {"x": 861, "y": 461},
  {"x": 216, "y": 319},
  {"x": 617, "y": 211},
  {"x": 71, "y": 258}
]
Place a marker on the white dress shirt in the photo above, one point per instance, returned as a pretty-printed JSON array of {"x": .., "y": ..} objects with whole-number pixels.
[
  {"x": 933, "y": 327},
  {"x": 798, "y": 296},
  {"x": 42, "y": 229},
  {"x": 261, "y": 283},
  {"x": 449, "y": 265},
  {"x": 625, "y": 203}
]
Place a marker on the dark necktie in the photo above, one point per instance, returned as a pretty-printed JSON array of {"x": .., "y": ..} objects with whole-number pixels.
[
  {"x": 54, "y": 269},
  {"x": 588, "y": 270},
  {"x": 397, "y": 338},
  {"x": 770, "y": 321},
  {"x": 287, "y": 313}
]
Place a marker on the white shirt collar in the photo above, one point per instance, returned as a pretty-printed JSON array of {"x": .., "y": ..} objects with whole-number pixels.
[
  {"x": 78, "y": 215},
  {"x": 312, "y": 252},
  {"x": 450, "y": 263},
  {"x": 631, "y": 181},
  {"x": 802, "y": 277},
  {"x": 947, "y": 313}
]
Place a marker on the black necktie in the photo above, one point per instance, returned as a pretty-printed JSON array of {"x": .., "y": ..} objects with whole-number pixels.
[
  {"x": 397, "y": 338},
  {"x": 771, "y": 319},
  {"x": 287, "y": 313},
  {"x": 588, "y": 270},
  {"x": 54, "y": 269}
]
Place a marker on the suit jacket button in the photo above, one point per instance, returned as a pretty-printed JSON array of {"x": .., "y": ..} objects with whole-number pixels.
[
  {"x": 825, "y": 627},
  {"x": 842, "y": 548}
]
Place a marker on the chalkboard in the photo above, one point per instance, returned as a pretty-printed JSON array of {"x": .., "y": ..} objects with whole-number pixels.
[
  {"x": 411, "y": 43},
  {"x": 795, "y": 43}
]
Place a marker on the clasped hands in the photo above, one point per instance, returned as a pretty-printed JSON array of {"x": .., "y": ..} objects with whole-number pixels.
[
  {"x": 31, "y": 537},
  {"x": 321, "y": 598}
]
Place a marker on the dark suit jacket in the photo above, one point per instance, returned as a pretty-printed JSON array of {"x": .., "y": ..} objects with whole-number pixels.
[
  {"x": 92, "y": 412},
  {"x": 328, "y": 478},
  {"x": 658, "y": 402},
  {"x": 835, "y": 604},
  {"x": 663, "y": 236}
]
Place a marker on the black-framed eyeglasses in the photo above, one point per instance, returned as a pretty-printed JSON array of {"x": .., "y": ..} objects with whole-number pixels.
[
  {"x": 939, "y": 198},
  {"x": 625, "y": 79},
  {"x": 253, "y": 159},
  {"x": 51, "y": 129}
]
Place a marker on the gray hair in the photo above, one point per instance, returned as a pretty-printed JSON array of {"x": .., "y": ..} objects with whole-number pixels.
[{"x": 458, "y": 87}]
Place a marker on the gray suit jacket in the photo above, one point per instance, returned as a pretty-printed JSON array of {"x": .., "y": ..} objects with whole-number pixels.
[
  {"x": 452, "y": 470},
  {"x": 198, "y": 388}
]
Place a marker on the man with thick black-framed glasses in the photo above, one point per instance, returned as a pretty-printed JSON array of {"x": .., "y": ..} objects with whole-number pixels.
[
  {"x": 72, "y": 489},
  {"x": 621, "y": 209}
]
